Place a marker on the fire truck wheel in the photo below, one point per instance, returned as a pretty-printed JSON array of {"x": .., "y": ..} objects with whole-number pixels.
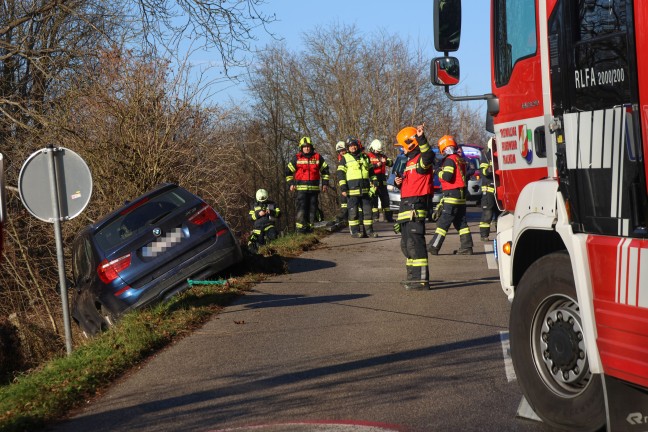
[{"x": 548, "y": 348}]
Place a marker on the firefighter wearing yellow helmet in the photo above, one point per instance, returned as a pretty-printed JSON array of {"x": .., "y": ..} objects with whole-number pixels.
[
  {"x": 304, "y": 173},
  {"x": 452, "y": 175},
  {"x": 415, "y": 186}
]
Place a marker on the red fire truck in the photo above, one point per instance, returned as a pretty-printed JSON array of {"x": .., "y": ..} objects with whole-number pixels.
[{"x": 569, "y": 111}]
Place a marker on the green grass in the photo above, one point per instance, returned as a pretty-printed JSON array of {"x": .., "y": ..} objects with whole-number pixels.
[{"x": 51, "y": 391}]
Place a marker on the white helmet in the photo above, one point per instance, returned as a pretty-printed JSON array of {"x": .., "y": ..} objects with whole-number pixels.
[
  {"x": 261, "y": 195},
  {"x": 376, "y": 146},
  {"x": 340, "y": 146}
]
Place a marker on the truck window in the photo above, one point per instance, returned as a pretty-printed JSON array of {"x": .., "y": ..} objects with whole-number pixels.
[{"x": 515, "y": 33}]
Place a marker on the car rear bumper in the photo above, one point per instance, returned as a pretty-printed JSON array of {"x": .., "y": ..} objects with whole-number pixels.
[{"x": 212, "y": 260}]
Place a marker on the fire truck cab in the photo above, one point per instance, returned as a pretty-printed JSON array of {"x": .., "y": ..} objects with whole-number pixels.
[{"x": 569, "y": 109}]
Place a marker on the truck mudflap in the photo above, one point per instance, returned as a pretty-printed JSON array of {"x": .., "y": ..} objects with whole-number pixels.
[{"x": 626, "y": 404}]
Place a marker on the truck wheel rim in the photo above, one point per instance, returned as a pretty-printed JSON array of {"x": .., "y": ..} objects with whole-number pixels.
[{"x": 558, "y": 346}]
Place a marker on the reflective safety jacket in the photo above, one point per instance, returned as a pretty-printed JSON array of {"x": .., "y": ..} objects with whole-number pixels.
[
  {"x": 486, "y": 169},
  {"x": 380, "y": 168},
  {"x": 355, "y": 174},
  {"x": 417, "y": 177},
  {"x": 417, "y": 183},
  {"x": 268, "y": 206},
  {"x": 452, "y": 176},
  {"x": 306, "y": 170}
]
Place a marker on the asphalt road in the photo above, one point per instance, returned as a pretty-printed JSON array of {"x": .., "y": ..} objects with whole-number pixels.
[{"x": 336, "y": 345}]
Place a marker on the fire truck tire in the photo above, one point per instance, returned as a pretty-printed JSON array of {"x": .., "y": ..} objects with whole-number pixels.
[{"x": 548, "y": 349}]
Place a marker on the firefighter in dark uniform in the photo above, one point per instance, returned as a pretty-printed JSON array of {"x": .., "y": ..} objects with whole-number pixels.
[
  {"x": 380, "y": 162},
  {"x": 304, "y": 174},
  {"x": 263, "y": 213},
  {"x": 490, "y": 212},
  {"x": 452, "y": 175},
  {"x": 355, "y": 178},
  {"x": 343, "y": 215},
  {"x": 415, "y": 185}
]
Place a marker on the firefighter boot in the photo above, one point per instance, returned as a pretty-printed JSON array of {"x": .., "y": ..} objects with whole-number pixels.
[
  {"x": 355, "y": 231},
  {"x": 417, "y": 279},
  {"x": 466, "y": 245},
  {"x": 370, "y": 232}
]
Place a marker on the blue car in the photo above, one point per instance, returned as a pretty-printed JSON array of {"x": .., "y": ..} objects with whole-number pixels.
[{"x": 145, "y": 252}]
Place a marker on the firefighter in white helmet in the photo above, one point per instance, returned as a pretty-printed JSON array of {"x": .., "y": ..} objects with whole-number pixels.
[
  {"x": 380, "y": 162},
  {"x": 264, "y": 212},
  {"x": 343, "y": 214}
]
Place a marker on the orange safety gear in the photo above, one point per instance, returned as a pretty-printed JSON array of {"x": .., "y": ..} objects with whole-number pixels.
[
  {"x": 406, "y": 138},
  {"x": 446, "y": 141},
  {"x": 459, "y": 179}
]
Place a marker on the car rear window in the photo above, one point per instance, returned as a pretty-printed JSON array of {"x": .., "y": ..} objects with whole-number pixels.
[{"x": 139, "y": 216}]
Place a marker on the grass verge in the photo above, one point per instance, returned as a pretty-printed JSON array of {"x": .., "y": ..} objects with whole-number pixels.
[{"x": 49, "y": 392}]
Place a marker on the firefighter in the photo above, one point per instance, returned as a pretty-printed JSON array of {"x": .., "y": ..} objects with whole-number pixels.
[
  {"x": 380, "y": 162},
  {"x": 490, "y": 212},
  {"x": 263, "y": 214},
  {"x": 355, "y": 179},
  {"x": 304, "y": 174},
  {"x": 415, "y": 185},
  {"x": 452, "y": 175},
  {"x": 343, "y": 215}
]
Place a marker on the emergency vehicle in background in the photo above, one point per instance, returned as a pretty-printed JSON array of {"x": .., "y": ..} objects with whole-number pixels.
[{"x": 569, "y": 110}]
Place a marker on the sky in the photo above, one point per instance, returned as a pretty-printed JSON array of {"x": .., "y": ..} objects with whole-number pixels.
[{"x": 410, "y": 19}]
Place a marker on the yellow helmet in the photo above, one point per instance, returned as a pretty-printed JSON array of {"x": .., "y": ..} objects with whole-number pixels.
[
  {"x": 446, "y": 141},
  {"x": 305, "y": 141},
  {"x": 406, "y": 138}
]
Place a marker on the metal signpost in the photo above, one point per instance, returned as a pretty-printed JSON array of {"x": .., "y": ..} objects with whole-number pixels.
[{"x": 55, "y": 185}]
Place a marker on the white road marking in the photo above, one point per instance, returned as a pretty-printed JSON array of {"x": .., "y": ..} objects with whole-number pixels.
[
  {"x": 506, "y": 351},
  {"x": 490, "y": 256}
]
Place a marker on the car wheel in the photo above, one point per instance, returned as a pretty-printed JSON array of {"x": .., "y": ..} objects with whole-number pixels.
[{"x": 548, "y": 348}]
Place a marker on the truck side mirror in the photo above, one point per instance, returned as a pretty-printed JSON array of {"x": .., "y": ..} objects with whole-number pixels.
[
  {"x": 445, "y": 71},
  {"x": 447, "y": 25}
]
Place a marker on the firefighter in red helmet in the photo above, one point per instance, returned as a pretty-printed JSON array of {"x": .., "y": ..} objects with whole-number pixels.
[
  {"x": 415, "y": 185},
  {"x": 452, "y": 175}
]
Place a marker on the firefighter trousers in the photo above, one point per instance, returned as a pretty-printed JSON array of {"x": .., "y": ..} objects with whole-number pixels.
[
  {"x": 452, "y": 214},
  {"x": 307, "y": 203},
  {"x": 354, "y": 203},
  {"x": 490, "y": 212},
  {"x": 382, "y": 195},
  {"x": 413, "y": 247}
]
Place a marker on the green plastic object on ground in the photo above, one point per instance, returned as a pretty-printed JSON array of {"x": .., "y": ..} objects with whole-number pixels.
[{"x": 192, "y": 282}]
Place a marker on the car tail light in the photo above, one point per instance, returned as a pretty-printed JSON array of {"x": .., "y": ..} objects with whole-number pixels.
[
  {"x": 204, "y": 214},
  {"x": 109, "y": 270}
]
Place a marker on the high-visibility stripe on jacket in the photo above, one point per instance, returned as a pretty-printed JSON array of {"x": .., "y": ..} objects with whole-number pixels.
[
  {"x": 306, "y": 171},
  {"x": 354, "y": 174}
]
